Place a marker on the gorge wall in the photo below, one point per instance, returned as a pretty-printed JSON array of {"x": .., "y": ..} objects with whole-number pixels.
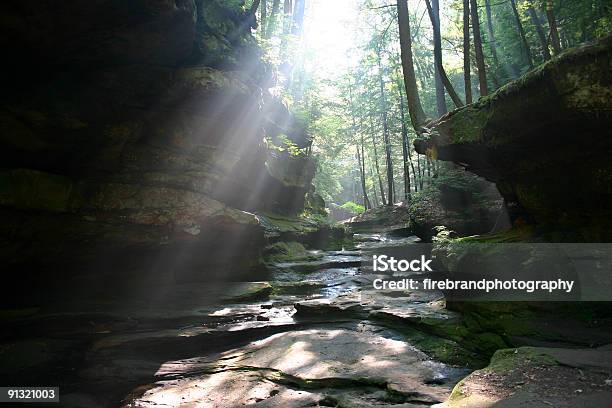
[{"x": 133, "y": 139}]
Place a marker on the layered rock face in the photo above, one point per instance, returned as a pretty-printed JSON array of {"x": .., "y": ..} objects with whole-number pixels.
[
  {"x": 132, "y": 134},
  {"x": 544, "y": 140}
]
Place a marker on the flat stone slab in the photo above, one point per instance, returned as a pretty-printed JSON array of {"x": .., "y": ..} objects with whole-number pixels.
[
  {"x": 224, "y": 389},
  {"x": 319, "y": 365},
  {"x": 411, "y": 307},
  {"x": 327, "y": 262}
]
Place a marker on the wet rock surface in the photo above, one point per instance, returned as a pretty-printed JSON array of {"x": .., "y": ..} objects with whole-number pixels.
[
  {"x": 315, "y": 336},
  {"x": 361, "y": 365},
  {"x": 307, "y": 336}
]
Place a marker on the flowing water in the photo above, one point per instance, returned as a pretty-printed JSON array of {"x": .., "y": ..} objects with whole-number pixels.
[{"x": 312, "y": 336}]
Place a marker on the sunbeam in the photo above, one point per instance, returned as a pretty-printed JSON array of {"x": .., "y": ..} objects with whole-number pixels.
[{"x": 291, "y": 203}]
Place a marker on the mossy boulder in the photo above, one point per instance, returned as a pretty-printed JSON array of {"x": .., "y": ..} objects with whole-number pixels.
[
  {"x": 310, "y": 230},
  {"x": 289, "y": 251},
  {"x": 394, "y": 217},
  {"x": 543, "y": 140},
  {"x": 537, "y": 376},
  {"x": 247, "y": 292}
]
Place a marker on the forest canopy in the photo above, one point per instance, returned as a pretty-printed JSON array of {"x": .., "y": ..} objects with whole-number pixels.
[{"x": 364, "y": 76}]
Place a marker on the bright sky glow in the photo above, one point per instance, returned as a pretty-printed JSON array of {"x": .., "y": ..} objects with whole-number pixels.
[
  {"x": 333, "y": 32},
  {"x": 330, "y": 34}
]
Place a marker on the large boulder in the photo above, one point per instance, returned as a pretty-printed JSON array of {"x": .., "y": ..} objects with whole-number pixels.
[{"x": 543, "y": 139}]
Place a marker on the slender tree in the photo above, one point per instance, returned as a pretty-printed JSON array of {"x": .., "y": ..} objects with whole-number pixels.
[
  {"x": 440, "y": 73},
  {"x": 284, "y": 52},
  {"x": 366, "y": 199},
  {"x": 549, "y": 8},
  {"x": 521, "y": 31},
  {"x": 298, "y": 17},
  {"x": 263, "y": 16},
  {"x": 385, "y": 125},
  {"x": 467, "y": 78},
  {"x": 405, "y": 144},
  {"x": 376, "y": 202},
  {"x": 434, "y": 15},
  {"x": 493, "y": 42},
  {"x": 540, "y": 30},
  {"x": 480, "y": 63},
  {"x": 271, "y": 28},
  {"x": 415, "y": 109},
  {"x": 490, "y": 33},
  {"x": 376, "y": 164},
  {"x": 354, "y": 131},
  {"x": 287, "y": 13}
]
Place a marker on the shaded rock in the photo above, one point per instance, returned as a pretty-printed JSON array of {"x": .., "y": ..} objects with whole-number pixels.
[
  {"x": 282, "y": 123},
  {"x": 459, "y": 202},
  {"x": 342, "y": 307},
  {"x": 290, "y": 251},
  {"x": 524, "y": 137},
  {"x": 248, "y": 292},
  {"x": 134, "y": 152},
  {"x": 72, "y": 33},
  {"x": 311, "y": 231},
  {"x": 395, "y": 217},
  {"x": 538, "y": 377}
]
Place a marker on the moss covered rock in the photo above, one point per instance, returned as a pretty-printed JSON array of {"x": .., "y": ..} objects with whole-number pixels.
[
  {"x": 537, "y": 376},
  {"x": 543, "y": 140}
]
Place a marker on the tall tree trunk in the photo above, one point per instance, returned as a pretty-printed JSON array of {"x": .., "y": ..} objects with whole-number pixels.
[
  {"x": 273, "y": 17},
  {"x": 385, "y": 124},
  {"x": 366, "y": 200},
  {"x": 480, "y": 63},
  {"x": 552, "y": 25},
  {"x": 521, "y": 30},
  {"x": 440, "y": 96},
  {"x": 467, "y": 77},
  {"x": 284, "y": 52},
  {"x": 405, "y": 143},
  {"x": 421, "y": 172},
  {"x": 376, "y": 202},
  {"x": 298, "y": 17},
  {"x": 263, "y": 16},
  {"x": 440, "y": 73},
  {"x": 506, "y": 69},
  {"x": 490, "y": 33},
  {"x": 415, "y": 109},
  {"x": 287, "y": 14},
  {"x": 363, "y": 172},
  {"x": 254, "y": 6},
  {"x": 540, "y": 30},
  {"x": 414, "y": 174},
  {"x": 376, "y": 164}
]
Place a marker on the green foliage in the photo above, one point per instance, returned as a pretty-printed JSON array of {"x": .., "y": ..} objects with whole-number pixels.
[
  {"x": 343, "y": 112},
  {"x": 285, "y": 145},
  {"x": 353, "y": 207}
]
